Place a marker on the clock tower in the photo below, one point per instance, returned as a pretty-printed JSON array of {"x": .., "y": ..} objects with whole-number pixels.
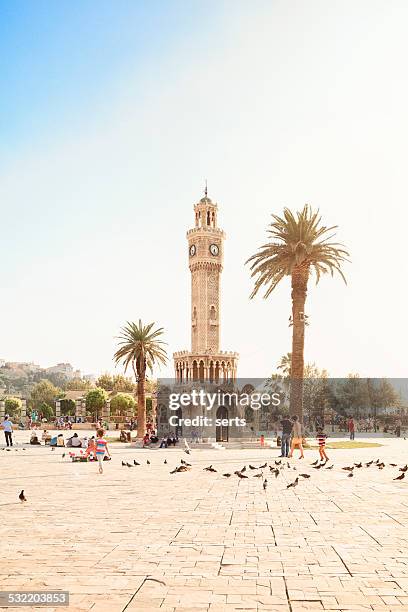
[{"x": 205, "y": 361}]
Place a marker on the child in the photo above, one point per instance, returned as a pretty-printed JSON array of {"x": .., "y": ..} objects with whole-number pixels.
[
  {"x": 321, "y": 440},
  {"x": 101, "y": 448}
]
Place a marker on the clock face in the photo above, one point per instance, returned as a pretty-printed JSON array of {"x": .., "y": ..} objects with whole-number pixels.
[
  {"x": 214, "y": 250},
  {"x": 193, "y": 250}
]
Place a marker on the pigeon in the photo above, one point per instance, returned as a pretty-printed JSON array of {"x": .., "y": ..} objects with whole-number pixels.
[
  {"x": 381, "y": 466},
  {"x": 252, "y": 467},
  {"x": 129, "y": 465},
  {"x": 123, "y": 464},
  {"x": 315, "y": 463},
  {"x": 208, "y": 469},
  {"x": 294, "y": 468},
  {"x": 257, "y": 476},
  {"x": 22, "y": 497},
  {"x": 400, "y": 477},
  {"x": 187, "y": 451},
  {"x": 24, "y": 448},
  {"x": 53, "y": 448},
  {"x": 348, "y": 469},
  {"x": 148, "y": 462},
  {"x": 135, "y": 462},
  {"x": 265, "y": 484},
  {"x": 278, "y": 462},
  {"x": 165, "y": 462},
  {"x": 350, "y": 475},
  {"x": 330, "y": 467},
  {"x": 185, "y": 463},
  {"x": 393, "y": 464},
  {"x": 63, "y": 455},
  {"x": 288, "y": 464},
  {"x": 227, "y": 475},
  {"x": 317, "y": 467},
  {"x": 8, "y": 449},
  {"x": 305, "y": 475},
  {"x": 404, "y": 469},
  {"x": 173, "y": 471},
  {"x": 369, "y": 463},
  {"x": 293, "y": 484},
  {"x": 358, "y": 465},
  {"x": 277, "y": 472},
  {"x": 240, "y": 475},
  {"x": 182, "y": 468},
  {"x": 243, "y": 469},
  {"x": 261, "y": 467}
]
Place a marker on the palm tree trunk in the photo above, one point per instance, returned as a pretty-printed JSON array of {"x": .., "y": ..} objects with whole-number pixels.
[
  {"x": 141, "y": 406},
  {"x": 299, "y": 290}
]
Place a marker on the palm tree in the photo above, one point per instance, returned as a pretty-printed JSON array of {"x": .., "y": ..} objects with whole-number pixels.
[
  {"x": 140, "y": 348},
  {"x": 298, "y": 246},
  {"x": 285, "y": 364}
]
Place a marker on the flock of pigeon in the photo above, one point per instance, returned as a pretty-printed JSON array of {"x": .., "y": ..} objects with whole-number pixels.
[{"x": 278, "y": 467}]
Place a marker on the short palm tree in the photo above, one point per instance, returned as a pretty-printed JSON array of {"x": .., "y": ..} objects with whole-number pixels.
[
  {"x": 299, "y": 245},
  {"x": 285, "y": 364},
  {"x": 140, "y": 348}
]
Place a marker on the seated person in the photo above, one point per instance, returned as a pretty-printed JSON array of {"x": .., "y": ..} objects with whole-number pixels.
[
  {"x": 146, "y": 440},
  {"x": 60, "y": 440},
  {"x": 34, "y": 439},
  {"x": 46, "y": 436},
  {"x": 123, "y": 436},
  {"x": 163, "y": 443},
  {"x": 154, "y": 439},
  {"x": 74, "y": 441}
]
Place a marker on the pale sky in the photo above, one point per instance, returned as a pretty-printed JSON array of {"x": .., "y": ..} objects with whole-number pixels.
[{"x": 112, "y": 116}]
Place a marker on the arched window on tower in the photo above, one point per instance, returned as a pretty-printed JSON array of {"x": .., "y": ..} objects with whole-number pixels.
[
  {"x": 211, "y": 372},
  {"x": 213, "y": 219},
  {"x": 213, "y": 315},
  {"x": 201, "y": 371},
  {"x": 217, "y": 371},
  {"x": 208, "y": 218},
  {"x": 195, "y": 370}
]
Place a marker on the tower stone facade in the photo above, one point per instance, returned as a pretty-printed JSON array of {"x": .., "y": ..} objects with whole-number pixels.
[{"x": 205, "y": 361}]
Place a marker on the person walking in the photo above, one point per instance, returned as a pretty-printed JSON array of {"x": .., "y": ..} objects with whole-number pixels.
[
  {"x": 101, "y": 449},
  {"x": 297, "y": 440},
  {"x": 8, "y": 430},
  {"x": 351, "y": 428},
  {"x": 321, "y": 438},
  {"x": 286, "y": 425}
]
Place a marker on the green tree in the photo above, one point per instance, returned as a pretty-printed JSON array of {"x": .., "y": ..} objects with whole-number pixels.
[
  {"x": 78, "y": 384},
  {"x": 67, "y": 407},
  {"x": 105, "y": 381},
  {"x": 122, "y": 403},
  {"x": 12, "y": 406},
  {"x": 140, "y": 348},
  {"x": 298, "y": 246},
  {"x": 123, "y": 384},
  {"x": 95, "y": 400},
  {"x": 47, "y": 411},
  {"x": 44, "y": 392}
]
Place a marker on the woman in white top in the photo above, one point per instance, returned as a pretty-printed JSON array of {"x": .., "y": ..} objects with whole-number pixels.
[{"x": 297, "y": 440}]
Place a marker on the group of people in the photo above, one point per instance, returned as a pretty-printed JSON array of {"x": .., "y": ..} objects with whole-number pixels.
[
  {"x": 292, "y": 438},
  {"x": 168, "y": 440}
]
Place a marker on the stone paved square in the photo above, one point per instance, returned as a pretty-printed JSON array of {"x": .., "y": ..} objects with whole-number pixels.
[{"x": 143, "y": 539}]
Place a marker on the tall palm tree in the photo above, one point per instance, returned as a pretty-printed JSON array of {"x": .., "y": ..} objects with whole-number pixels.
[
  {"x": 140, "y": 348},
  {"x": 298, "y": 246}
]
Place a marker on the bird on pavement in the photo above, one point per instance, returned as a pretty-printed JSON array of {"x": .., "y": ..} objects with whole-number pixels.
[
  {"x": 400, "y": 477},
  {"x": 187, "y": 451},
  {"x": 226, "y": 475},
  {"x": 293, "y": 484},
  {"x": 315, "y": 463},
  {"x": 252, "y": 467},
  {"x": 257, "y": 476},
  {"x": 148, "y": 462},
  {"x": 63, "y": 455},
  {"x": 393, "y": 464},
  {"x": 129, "y": 465},
  {"x": 240, "y": 475},
  {"x": 277, "y": 462},
  {"x": 243, "y": 469},
  {"x": 350, "y": 475},
  {"x": 265, "y": 484},
  {"x": 330, "y": 467},
  {"x": 208, "y": 469},
  {"x": 305, "y": 475},
  {"x": 348, "y": 469},
  {"x": 165, "y": 462},
  {"x": 123, "y": 464},
  {"x": 261, "y": 467},
  {"x": 135, "y": 462},
  {"x": 404, "y": 469},
  {"x": 53, "y": 448},
  {"x": 317, "y": 467},
  {"x": 358, "y": 465},
  {"x": 369, "y": 463},
  {"x": 22, "y": 497}
]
